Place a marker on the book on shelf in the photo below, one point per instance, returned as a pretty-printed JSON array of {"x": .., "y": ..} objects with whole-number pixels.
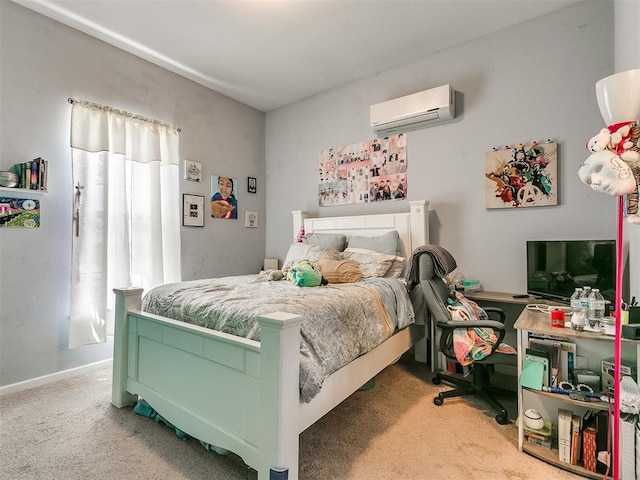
[
  {"x": 535, "y": 369},
  {"x": 567, "y": 361},
  {"x": 35, "y": 172},
  {"x": 575, "y": 438},
  {"x": 589, "y": 443},
  {"x": 552, "y": 347},
  {"x": 538, "y": 442},
  {"x": 562, "y": 357},
  {"x": 536, "y": 435},
  {"x": 595, "y": 447},
  {"x": 32, "y": 175}
]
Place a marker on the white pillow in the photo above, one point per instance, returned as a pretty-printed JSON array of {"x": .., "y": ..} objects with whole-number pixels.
[
  {"x": 397, "y": 268},
  {"x": 305, "y": 251},
  {"x": 372, "y": 264}
]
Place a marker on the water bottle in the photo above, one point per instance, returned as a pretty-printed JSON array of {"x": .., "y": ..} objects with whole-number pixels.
[
  {"x": 576, "y": 304},
  {"x": 584, "y": 301},
  {"x": 596, "y": 307}
]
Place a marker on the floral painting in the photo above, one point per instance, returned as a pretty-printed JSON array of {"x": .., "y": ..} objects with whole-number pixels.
[{"x": 524, "y": 176}]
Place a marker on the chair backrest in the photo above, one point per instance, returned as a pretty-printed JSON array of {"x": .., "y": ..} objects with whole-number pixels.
[{"x": 435, "y": 290}]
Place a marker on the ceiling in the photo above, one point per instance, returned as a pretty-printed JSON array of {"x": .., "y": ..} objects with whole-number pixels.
[{"x": 269, "y": 53}]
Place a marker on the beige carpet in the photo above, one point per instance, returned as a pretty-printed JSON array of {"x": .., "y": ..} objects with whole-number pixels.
[{"x": 69, "y": 430}]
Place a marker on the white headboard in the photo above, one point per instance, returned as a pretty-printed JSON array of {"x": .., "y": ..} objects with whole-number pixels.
[{"x": 412, "y": 226}]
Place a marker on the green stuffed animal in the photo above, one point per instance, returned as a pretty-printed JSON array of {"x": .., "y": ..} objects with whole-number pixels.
[{"x": 305, "y": 274}]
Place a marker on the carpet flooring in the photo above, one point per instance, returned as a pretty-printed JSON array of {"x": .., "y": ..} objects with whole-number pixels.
[{"x": 69, "y": 430}]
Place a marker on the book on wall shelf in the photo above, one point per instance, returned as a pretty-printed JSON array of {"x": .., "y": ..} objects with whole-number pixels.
[{"x": 32, "y": 175}]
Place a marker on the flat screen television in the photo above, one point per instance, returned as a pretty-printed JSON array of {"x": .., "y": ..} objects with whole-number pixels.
[{"x": 555, "y": 268}]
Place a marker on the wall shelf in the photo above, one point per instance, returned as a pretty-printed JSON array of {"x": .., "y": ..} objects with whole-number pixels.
[{"x": 22, "y": 191}]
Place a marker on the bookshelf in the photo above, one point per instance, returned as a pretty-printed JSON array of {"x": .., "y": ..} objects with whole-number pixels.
[
  {"x": 594, "y": 346},
  {"x": 28, "y": 191},
  {"x": 32, "y": 176},
  {"x": 551, "y": 457}
]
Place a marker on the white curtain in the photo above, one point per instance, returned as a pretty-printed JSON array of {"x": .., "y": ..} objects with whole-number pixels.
[{"x": 126, "y": 228}]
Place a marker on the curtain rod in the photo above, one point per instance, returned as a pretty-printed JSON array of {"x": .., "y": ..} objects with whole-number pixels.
[{"x": 122, "y": 112}]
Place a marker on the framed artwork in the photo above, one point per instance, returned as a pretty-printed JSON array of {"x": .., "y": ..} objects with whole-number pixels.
[
  {"x": 524, "y": 176},
  {"x": 19, "y": 212},
  {"x": 250, "y": 219},
  {"x": 192, "y": 210},
  {"x": 192, "y": 171},
  {"x": 224, "y": 197},
  {"x": 252, "y": 185}
]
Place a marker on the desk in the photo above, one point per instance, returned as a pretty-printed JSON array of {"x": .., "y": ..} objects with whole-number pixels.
[{"x": 502, "y": 297}]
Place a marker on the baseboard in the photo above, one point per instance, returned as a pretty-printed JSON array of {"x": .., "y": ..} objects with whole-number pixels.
[{"x": 52, "y": 377}]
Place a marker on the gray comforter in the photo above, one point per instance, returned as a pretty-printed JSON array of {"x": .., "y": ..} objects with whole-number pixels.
[{"x": 341, "y": 321}]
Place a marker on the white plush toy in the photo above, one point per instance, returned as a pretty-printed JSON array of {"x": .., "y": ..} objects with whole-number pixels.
[
  {"x": 600, "y": 141},
  {"x": 620, "y": 138}
]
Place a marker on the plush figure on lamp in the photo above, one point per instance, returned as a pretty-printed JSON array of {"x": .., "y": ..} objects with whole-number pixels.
[
  {"x": 606, "y": 172},
  {"x": 621, "y": 138}
]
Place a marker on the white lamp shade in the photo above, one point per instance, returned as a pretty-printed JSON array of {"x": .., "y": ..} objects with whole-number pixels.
[{"x": 618, "y": 97}]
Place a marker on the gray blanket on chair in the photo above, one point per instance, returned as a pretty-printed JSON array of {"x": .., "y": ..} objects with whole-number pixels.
[{"x": 443, "y": 262}]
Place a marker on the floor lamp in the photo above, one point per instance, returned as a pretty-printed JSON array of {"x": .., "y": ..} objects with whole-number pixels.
[{"x": 618, "y": 98}]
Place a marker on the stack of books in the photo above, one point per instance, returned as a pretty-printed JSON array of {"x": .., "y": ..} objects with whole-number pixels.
[
  {"x": 542, "y": 437},
  {"x": 32, "y": 175}
]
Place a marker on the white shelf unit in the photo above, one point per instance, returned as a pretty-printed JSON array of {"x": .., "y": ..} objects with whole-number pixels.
[{"x": 595, "y": 346}]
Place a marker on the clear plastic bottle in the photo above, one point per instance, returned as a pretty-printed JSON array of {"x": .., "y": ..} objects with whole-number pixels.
[
  {"x": 584, "y": 301},
  {"x": 576, "y": 304},
  {"x": 596, "y": 306}
]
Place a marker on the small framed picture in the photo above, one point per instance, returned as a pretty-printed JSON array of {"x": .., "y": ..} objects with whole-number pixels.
[
  {"x": 250, "y": 219},
  {"x": 192, "y": 210},
  {"x": 252, "y": 185},
  {"x": 192, "y": 171}
]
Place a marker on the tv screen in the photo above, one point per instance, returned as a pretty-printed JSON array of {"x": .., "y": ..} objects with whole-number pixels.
[{"x": 555, "y": 268}]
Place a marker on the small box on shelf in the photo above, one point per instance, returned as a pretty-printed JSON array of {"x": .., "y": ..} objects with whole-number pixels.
[{"x": 564, "y": 435}]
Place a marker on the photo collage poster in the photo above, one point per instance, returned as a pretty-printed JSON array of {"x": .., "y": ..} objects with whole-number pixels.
[{"x": 365, "y": 172}]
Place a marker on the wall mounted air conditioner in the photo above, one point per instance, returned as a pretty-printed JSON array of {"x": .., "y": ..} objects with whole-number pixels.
[{"x": 412, "y": 111}]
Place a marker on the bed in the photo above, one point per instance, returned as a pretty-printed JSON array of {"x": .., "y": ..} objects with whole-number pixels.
[{"x": 240, "y": 394}]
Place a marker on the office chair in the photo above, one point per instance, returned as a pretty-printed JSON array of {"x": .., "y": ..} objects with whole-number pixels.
[{"x": 432, "y": 270}]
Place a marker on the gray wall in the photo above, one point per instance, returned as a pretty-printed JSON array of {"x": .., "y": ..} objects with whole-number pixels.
[
  {"x": 530, "y": 82},
  {"x": 43, "y": 63}
]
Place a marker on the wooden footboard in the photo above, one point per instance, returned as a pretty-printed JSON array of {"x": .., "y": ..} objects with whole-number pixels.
[{"x": 228, "y": 391}]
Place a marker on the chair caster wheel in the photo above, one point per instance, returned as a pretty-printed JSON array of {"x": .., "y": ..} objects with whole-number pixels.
[
  {"x": 502, "y": 419},
  {"x": 436, "y": 380},
  {"x": 438, "y": 401}
]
